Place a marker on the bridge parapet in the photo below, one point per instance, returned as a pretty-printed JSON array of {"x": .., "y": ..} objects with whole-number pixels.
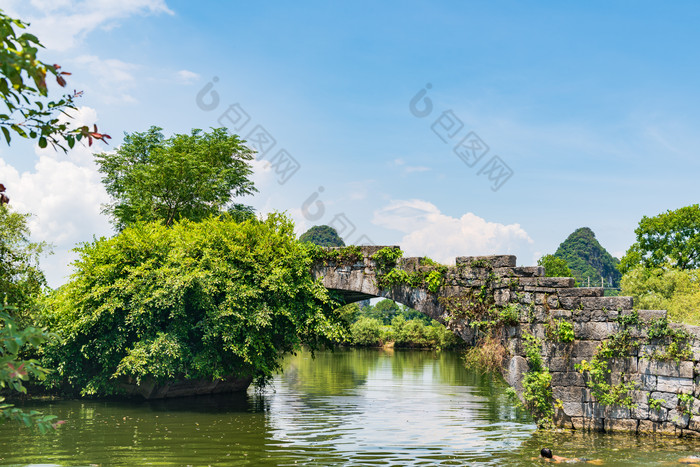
[{"x": 653, "y": 383}]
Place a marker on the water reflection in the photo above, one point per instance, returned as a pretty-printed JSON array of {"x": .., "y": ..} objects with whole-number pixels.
[{"x": 348, "y": 407}]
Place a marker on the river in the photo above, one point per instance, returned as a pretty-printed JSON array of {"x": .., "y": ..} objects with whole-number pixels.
[{"x": 348, "y": 407}]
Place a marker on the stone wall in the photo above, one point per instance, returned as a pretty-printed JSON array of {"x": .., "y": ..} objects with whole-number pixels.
[{"x": 541, "y": 302}]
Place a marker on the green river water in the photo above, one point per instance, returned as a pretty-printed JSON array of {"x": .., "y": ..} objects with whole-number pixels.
[{"x": 348, "y": 407}]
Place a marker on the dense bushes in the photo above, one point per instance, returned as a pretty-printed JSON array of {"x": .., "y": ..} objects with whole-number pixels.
[
  {"x": 207, "y": 299},
  {"x": 368, "y": 331},
  {"x": 665, "y": 288}
]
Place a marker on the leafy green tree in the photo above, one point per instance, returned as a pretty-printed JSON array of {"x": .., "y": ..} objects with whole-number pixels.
[
  {"x": 672, "y": 237},
  {"x": 16, "y": 369},
  {"x": 384, "y": 311},
  {"x": 554, "y": 267},
  {"x": 322, "y": 235},
  {"x": 21, "y": 280},
  {"x": 208, "y": 299},
  {"x": 24, "y": 92},
  {"x": 587, "y": 258},
  {"x": 366, "y": 332},
  {"x": 28, "y": 114},
  {"x": 153, "y": 178},
  {"x": 665, "y": 288}
]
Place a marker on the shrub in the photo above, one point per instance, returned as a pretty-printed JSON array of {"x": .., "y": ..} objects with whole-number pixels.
[
  {"x": 366, "y": 332},
  {"x": 487, "y": 356},
  {"x": 210, "y": 299}
]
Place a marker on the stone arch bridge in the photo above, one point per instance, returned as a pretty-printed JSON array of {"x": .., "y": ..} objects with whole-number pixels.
[{"x": 664, "y": 388}]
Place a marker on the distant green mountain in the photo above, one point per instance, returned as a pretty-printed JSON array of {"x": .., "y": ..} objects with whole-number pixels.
[
  {"x": 587, "y": 258},
  {"x": 322, "y": 235}
]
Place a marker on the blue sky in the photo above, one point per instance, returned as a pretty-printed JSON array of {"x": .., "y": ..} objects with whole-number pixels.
[{"x": 593, "y": 108}]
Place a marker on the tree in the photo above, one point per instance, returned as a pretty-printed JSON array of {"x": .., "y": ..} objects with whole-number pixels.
[
  {"x": 385, "y": 311},
  {"x": 665, "y": 288},
  {"x": 21, "y": 280},
  {"x": 670, "y": 238},
  {"x": 322, "y": 235},
  {"x": 208, "y": 299},
  {"x": 28, "y": 114},
  {"x": 586, "y": 258},
  {"x": 24, "y": 92},
  {"x": 193, "y": 176},
  {"x": 554, "y": 267},
  {"x": 14, "y": 369}
]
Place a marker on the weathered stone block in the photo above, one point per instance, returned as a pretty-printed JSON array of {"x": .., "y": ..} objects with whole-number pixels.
[
  {"x": 668, "y": 400},
  {"x": 658, "y": 415},
  {"x": 648, "y": 315},
  {"x": 571, "y": 393},
  {"x": 501, "y": 296},
  {"x": 580, "y": 348},
  {"x": 652, "y": 427},
  {"x": 580, "y": 316},
  {"x": 558, "y": 282},
  {"x": 678, "y": 418},
  {"x": 528, "y": 281},
  {"x": 581, "y": 292},
  {"x": 539, "y": 298},
  {"x": 577, "y": 409},
  {"x": 675, "y": 384},
  {"x": 546, "y": 290},
  {"x": 623, "y": 365},
  {"x": 694, "y": 425},
  {"x": 528, "y": 271},
  {"x": 567, "y": 378},
  {"x": 517, "y": 366},
  {"x": 666, "y": 368},
  {"x": 621, "y": 425},
  {"x": 553, "y": 302},
  {"x": 594, "y": 331},
  {"x": 640, "y": 412},
  {"x": 600, "y": 315},
  {"x": 616, "y": 413},
  {"x": 409, "y": 264},
  {"x": 561, "y": 314},
  {"x": 562, "y": 420},
  {"x": 525, "y": 297},
  {"x": 493, "y": 261},
  {"x": 587, "y": 424},
  {"x": 648, "y": 382},
  {"x": 609, "y": 303},
  {"x": 570, "y": 303},
  {"x": 562, "y": 363}
]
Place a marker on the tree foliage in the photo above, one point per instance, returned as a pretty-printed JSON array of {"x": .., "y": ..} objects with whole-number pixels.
[
  {"x": 24, "y": 92},
  {"x": 587, "y": 258},
  {"x": 21, "y": 280},
  {"x": 153, "y": 178},
  {"x": 212, "y": 299},
  {"x": 672, "y": 237},
  {"x": 322, "y": 235},
  {"x": 15, "y": 369},
  {"x": 554, "y": 267},
  {"x": 665, "y": 288}
]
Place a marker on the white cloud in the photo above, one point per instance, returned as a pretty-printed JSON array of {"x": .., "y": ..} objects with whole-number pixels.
[
  {"x": 112, "y": 79},
  {"x": 407, "y": 169},
  {"x": 64, "y": 193},
  {"x": 428, "y": 232},
  {"x": 62, "y": 25},
  {"x": 187, "y": 76}
]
